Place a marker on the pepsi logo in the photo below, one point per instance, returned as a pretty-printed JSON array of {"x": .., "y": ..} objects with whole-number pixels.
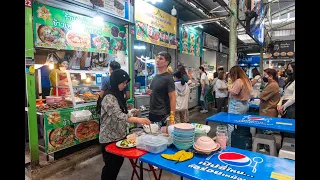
[
  {"x": 255, "y": 118},
  {"x": 234, "y": 159}
]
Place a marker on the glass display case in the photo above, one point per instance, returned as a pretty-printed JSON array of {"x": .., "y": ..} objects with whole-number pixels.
[{"x": 82, "y": 87}]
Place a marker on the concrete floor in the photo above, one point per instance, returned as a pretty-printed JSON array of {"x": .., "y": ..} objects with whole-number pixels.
[{"x": 91, "y": 168}]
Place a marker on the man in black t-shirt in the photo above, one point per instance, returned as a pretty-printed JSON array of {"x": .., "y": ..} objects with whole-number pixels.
[{"x": 162, "y": 91}]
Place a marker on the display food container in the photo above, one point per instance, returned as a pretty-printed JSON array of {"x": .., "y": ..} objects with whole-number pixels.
[
  {"x": 80, "y": 116},
  {"x": 57, "y": 99},
  {"x": 50, "y": 99},
  {"x": 152, "y": 144}
]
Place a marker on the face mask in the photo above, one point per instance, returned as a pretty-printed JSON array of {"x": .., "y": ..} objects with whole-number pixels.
[
  {"x": 265, "y": 79},
  {"x": 289, "y": 72}
]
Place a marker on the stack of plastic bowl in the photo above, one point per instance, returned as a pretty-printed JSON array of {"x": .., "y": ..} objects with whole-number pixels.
[
  {"x": 199, "y": 133},
  {"x": 183, "y": 136},
  {"x": 205, "y": 145}
]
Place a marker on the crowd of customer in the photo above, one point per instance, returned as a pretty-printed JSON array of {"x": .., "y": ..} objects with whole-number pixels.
[{"x": 169, "y": 95}]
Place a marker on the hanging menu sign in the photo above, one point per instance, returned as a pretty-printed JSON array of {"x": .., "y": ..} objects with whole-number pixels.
[
  {"x": 116, "y": 7},
  {"x": 283, "y": 50},
  {"x": 154, "y": 25},
  {"x": 59, "y": 29},
  {"x": 190, "y": 41}
]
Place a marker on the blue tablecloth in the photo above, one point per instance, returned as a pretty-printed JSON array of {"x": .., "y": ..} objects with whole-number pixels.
[
  {"x": 262, "y": 122},
  {"x": 231, "y": 163}
]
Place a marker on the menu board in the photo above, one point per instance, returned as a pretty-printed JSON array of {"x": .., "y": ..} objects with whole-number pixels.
[
  {"x": 190, "y": 41},
  {"x": 283, "y": 50},
  {"x": 210, "y": 42},
  {"x": 61, "y": 132},
  {"x": 59, "y": 29},
  {"x": 116, "y": 7},
  {"x": 154, "y": 25}
]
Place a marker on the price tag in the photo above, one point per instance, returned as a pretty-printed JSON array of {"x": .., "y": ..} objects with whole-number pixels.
[{"x": 27, "y": 3}]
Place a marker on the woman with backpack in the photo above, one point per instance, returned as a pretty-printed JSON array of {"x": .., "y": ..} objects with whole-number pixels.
[
  {"x": 113, "y": 120},
  {"x": 239, "y": 90},
  {"x": 182, "y": 98}
]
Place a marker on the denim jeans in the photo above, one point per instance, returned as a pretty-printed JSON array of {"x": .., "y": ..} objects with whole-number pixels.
[
  {"x": 236, "y": 107},
  {"x": 204, "y": 104}
]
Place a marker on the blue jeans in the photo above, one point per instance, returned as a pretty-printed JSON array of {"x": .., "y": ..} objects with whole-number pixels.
[
  {"x": 236, "y": 107},
  {"x": 204, "y": 104}
]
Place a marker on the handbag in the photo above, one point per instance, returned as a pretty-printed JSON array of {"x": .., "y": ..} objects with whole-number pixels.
[
  {"x": 202, "y": 97},
  {"x": 290, "y": 112}
]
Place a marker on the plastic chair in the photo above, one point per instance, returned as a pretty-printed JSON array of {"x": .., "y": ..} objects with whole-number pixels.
[
  {"x": 287, "y": 152},
  {"x": 265, "y": 139}
]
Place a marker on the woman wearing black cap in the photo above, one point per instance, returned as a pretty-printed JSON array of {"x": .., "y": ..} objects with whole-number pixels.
[
  {"x": 113, "y": 120},
  {"x": 59, "y": 75}
]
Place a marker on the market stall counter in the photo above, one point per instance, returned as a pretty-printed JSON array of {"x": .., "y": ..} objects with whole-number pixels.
[
  {"x": 262, "y": 122},
  {"x": 231, "y": 163}
]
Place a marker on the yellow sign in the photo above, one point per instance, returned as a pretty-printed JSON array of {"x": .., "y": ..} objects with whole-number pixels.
[
  {"x": 279, "y": 176},
  {"x": 154, "y": 25}
]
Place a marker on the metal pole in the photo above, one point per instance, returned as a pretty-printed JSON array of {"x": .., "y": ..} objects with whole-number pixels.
[
  {"x": 31, "y": 91},
  {"x": 233, "y": 33},
  {"x": 261, "y": 60}
]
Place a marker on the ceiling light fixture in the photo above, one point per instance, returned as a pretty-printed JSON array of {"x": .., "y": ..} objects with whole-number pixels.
[
  {"x": 173, "y": 11},
  {"x": 98, "y": 20}
]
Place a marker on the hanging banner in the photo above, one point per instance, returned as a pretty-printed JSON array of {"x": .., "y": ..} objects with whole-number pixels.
[
  {"x": 61, "y": 132},
  {"x": 116, "y": 7},
  {"x": 28, "y": 30},
  {"x": 190, "y": 41},
  {"x": 154, "y": 25},
  {"x": 257, "y": 24},
  {"x": 59, "y": 29}
]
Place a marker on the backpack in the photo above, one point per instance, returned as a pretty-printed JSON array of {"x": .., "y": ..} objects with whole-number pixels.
[{"x": 98, "y": 107}]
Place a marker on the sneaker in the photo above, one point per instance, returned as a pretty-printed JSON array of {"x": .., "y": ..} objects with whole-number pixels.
[{"x": 204, "y": 111}]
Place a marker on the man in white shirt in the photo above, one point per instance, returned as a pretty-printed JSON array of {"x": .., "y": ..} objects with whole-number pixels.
[
  {"x": 204, "y": 90},
  {"x": 214, "y": 87}
]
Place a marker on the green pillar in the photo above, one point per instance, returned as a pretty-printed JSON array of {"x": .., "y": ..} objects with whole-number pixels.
[
  {"x": 131, "y": 57},
  {"x": 233, "y": 34},
  {"x": 31, "y": 91}
]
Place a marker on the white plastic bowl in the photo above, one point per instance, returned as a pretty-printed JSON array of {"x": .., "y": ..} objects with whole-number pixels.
[{"x": 154, "y": 128}]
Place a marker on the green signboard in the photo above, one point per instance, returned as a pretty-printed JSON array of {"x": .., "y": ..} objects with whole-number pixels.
[
  {"x": 59, "y": 29},
  {"x": 190, "y": 41},
  {"x": 61, "y": 132}
]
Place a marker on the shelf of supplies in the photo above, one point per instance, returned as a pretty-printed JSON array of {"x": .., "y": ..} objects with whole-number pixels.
[
  {"x": 88, "y": 72},
  {"x": 85, "y": 104},
  {"x": 79, "y": 86}
]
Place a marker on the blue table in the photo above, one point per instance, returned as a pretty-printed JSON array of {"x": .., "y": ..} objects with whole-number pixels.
[
  {"x": 262, "y": 122},
  {"x": 231, "y": 163}
]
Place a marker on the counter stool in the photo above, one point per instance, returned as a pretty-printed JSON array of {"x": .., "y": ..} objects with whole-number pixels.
[
  {"x": 265, "y": 139},
  {"x": 287, "y": 152},
  {"x": 290, "y": 142}
]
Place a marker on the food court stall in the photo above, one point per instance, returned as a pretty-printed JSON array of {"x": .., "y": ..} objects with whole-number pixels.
[
  {"x": 155, "y": 31},
  {"x": 189, "y": 57},
  {"x": 88, "y": 44}
]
